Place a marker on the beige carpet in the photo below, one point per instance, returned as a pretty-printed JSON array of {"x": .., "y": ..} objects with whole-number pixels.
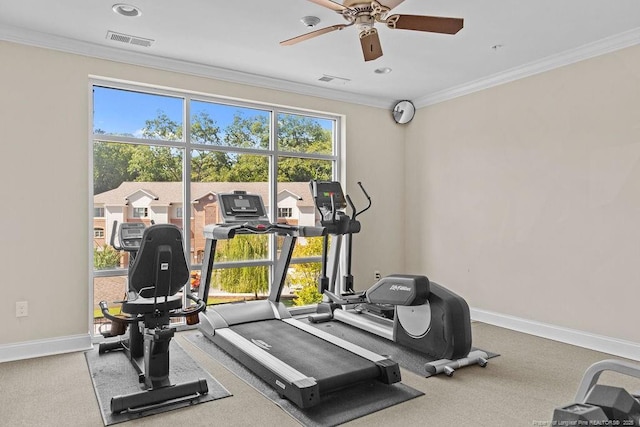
[{"x": 520, "y": 388}]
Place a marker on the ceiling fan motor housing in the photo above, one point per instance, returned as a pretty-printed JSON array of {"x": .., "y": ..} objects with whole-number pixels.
[{"x": 364, "y": 22}]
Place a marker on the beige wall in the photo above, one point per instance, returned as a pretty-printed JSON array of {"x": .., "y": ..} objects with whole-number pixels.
[
  {"x": 45, "y": 123},
  {"x": 523, "y": 198},
  {"x": 527, "y": 196}
]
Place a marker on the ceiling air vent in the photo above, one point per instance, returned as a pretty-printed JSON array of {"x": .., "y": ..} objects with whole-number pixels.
[
  {"x": 333, "y": 80},
  {"x": 124, "y": 38}
]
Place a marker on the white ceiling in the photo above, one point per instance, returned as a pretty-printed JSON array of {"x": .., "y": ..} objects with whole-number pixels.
[{"x": 238, "y": 40}]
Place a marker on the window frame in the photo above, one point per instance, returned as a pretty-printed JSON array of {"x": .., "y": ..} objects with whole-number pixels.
[
  {"x": 272, "y": 152},
  {"x": 137, "y": 210},
  {"x": 287, "y": 210}
]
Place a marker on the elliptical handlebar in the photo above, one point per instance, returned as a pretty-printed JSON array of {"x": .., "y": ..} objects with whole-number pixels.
[
  {"x": 112, "y": 241},
  {"x": 355, "y": 214}
]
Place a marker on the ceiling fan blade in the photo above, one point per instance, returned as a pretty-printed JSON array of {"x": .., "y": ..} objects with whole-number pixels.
[
  {"x": 371, "y": 47},
  {"x": 330, "y": 4},
  {"x": 432, "y": 24},
  {"x": 390, "y": 3},
  {"x": 313, "y": 34}
]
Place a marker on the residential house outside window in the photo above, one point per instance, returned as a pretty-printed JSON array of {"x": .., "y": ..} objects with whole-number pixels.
[{"x": 159, "y": 151}]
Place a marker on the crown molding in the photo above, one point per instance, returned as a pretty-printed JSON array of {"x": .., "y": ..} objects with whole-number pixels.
[
  {"x": 591, "y": 50},
  {"x": 38, "y": 39},
  {"x": 63, "y": 44}
]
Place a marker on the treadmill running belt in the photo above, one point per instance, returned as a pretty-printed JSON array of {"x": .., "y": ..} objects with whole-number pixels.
[{"x": 332, "y": 366}]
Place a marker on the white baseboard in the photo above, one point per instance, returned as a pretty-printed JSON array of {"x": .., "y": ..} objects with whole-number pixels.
[
  {"x": 46, "y": 347},
  {"x": 613, "y": 346}
]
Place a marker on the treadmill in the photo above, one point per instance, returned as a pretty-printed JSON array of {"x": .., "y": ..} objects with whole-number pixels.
[{"x": 300, "y": 362}]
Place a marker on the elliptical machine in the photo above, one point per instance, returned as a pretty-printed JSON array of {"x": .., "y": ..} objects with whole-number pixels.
[{"x": 407, "y": 309}]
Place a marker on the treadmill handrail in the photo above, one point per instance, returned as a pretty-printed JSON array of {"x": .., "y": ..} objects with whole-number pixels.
[{"x": 228, "y": 231}]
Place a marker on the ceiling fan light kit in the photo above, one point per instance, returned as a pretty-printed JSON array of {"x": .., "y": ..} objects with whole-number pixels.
[{"x": 363, "y": 15}]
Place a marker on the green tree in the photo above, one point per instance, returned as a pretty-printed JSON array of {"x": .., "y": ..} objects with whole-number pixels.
[
  {"x": 154, "y": 163},
  {"x": 207, "y": 165},
  {"x": 291, "y": 169},
  {"x": 115, "y": 163},
  {"x": 163, "y": 128},
  {"x": 306, "y": 275},
  {"x": 210, "y": 166},
  {"x": 105, "y": 257},
  {"x": 249, "y": 168},
  {"x": 248, "y": 132},
  {"x": 302, "y": 134},
  {"x": 244, "y": 279},
  {"x": 111, "y": 165}
]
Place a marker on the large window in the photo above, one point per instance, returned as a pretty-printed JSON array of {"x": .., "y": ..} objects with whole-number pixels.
[{"x": 162, "y": 156}]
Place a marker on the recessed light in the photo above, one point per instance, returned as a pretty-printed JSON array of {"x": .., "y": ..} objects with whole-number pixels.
[
  {"x": 383, "y": 70},
  {"x": 126, "y": 10},
  {"x": 310, "y": 21}
]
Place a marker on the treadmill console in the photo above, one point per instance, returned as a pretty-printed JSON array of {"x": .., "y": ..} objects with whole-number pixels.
[{"x": 240, "y": 207}]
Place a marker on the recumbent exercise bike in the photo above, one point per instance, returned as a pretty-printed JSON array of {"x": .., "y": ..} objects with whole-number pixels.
[{"x": 157, "y": 272}]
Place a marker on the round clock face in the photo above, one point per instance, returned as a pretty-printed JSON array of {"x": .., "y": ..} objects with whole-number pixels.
[{"x": 403, "y": 112}]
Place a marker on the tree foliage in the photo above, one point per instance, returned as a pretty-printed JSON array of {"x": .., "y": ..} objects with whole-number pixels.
[
  {"x": 304, "y": 276},
  {"x": 115, "y": 163},
  {"x": 244, "y": 279},
  {"x": 105, "y": 257},
  {"x": 111, "y": 165}
]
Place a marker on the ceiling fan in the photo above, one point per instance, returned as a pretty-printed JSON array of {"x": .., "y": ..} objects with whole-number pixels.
[{"x": 364, "y": 14}]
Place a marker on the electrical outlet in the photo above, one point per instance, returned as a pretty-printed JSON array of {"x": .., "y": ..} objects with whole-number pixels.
[
  {"x": 376, "y": 275},
  {"x": 22, "y": 309}
]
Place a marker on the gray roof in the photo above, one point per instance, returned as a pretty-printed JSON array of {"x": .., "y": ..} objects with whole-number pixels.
[{"x": 169, "y": 193}]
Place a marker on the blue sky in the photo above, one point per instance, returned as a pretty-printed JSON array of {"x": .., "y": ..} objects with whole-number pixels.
[{"x": 119, "y": 111}]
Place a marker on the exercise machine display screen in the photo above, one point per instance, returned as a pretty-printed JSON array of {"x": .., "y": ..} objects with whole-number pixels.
[
  {"x": 325, "y": 190},
  {"x": 241, "y": 207},
  {"x": 131, "y": 235}
]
